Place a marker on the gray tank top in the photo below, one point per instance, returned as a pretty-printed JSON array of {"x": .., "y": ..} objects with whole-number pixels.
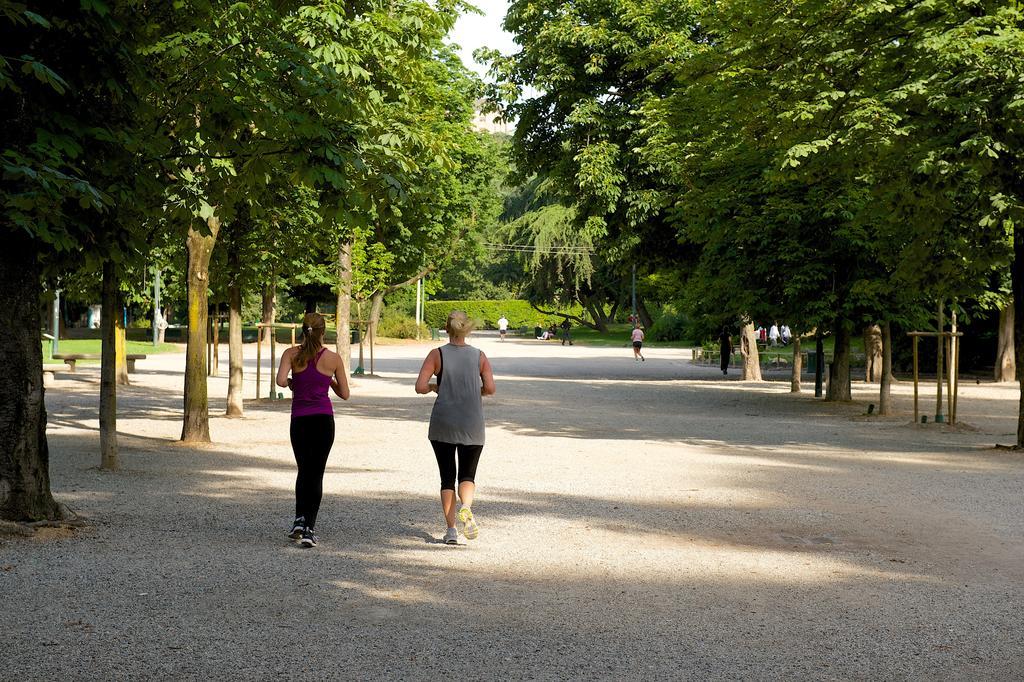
[{"x": 458, "y": 414}]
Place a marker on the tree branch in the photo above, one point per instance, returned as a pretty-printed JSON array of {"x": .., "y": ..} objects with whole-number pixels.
[{"x": 562, "y": 315}]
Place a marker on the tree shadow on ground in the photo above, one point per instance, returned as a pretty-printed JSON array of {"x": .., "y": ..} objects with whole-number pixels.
[{"x": 200, "y": 579}]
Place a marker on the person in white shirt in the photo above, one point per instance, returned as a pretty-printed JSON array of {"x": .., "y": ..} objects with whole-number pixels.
[
  {"x": 773, "y": 334},
  {"x": 786, "y": 335},
  {"x": 502, "y": 327}
]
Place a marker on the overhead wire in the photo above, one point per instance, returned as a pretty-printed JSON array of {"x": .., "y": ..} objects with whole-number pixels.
[{"x": 528, "y": 248}]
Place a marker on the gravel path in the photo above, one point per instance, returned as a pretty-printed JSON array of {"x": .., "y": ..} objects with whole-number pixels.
[{"x": 638, "y": 521}]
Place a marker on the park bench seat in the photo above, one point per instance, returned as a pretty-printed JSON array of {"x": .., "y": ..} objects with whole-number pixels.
[
  {"x": 49, "y": 371},
  {"x": 72, "y": 358}
]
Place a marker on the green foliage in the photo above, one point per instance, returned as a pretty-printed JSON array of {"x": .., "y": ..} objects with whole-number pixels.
[
  {"x": 671, "y": 327},
  {"x": 486, "y": 313},
  {"x": 399, "y": 326}
]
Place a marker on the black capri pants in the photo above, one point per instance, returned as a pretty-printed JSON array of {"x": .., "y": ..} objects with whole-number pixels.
[
  {"x": 312, "y": 437},
  {"x": 468, "y": 455}
]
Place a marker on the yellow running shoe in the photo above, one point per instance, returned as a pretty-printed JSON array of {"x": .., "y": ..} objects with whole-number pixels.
[{"x": 470, "y": 528}]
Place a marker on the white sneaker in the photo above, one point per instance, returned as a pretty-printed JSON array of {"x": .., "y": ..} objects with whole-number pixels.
[
  {"x": 470, "y": 528},
  {"x": 451, "y": 536}
]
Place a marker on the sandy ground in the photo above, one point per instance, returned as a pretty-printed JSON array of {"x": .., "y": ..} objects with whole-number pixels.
[{"x": 638, "y": 521}]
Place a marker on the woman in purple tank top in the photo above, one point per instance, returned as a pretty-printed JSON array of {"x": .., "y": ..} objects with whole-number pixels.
[{"x": 313, "y": 369}]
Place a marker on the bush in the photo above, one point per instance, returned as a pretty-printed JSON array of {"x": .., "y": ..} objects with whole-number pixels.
[
  {"x": 486, "y": 313},
  {"x": 670, "y": 327},
  {"x": 398, "y": 326}
]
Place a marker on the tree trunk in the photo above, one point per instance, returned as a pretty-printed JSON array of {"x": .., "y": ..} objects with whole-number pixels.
[
  {"x": 1006, "y": 365},
  {"x": 235, "y": 357},
  {"x": 839, "y": 373},
  {"x": 643, "y": 313},
  {"x": 24, "y": 455},
  {"x": 597, "y": 314},
  {"x": 748, "y": 350},
  {"x": 376, "y": 307},
  {"x": 872, "y": 353},
  {"x": 269, "y": 308},
  {"x": 109, "y": 326},
  {"x": 165, "y": 314},
  {"x": 798, "y": 367},
  {"x": 196, "y": 425},
  {"x": 344, "y": 310},
  {"x": 885, "y": 392}
]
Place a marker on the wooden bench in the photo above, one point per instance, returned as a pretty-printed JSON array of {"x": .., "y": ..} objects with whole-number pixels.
[
  {"x": 72, "y": 358},
  {"x": 49, "y": 372}
]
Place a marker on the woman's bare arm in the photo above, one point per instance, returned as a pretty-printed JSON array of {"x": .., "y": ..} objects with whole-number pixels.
[
  {"x": 339, "y": 384},
  {"x": 285, "y": 367},
  {"x": 486, "y": 376},
  {"x": 431, "y": 365}
]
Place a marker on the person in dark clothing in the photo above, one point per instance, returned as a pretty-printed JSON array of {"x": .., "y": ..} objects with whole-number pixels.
[
  {"x": 725, "y": 348},
  {"x": 566, "y": 336}
]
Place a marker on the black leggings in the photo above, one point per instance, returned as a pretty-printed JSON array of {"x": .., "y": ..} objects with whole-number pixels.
[
  {"x": 312, "y": 437},
  {"x": 469, "y": 457}
]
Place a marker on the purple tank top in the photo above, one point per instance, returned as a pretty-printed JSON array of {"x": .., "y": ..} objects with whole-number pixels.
[{"x": 309, "y": 391}]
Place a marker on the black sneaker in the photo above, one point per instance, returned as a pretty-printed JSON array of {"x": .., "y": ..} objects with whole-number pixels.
[
  {"x": 308, "y": 539},
  {"x": 297, "y": 527}
]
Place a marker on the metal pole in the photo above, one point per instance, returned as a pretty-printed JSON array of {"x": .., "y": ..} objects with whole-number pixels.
[
  {"x": 419, "y": 305},
  {"x": 156, "y": 306},
  {"x": 55, "y": 343}
]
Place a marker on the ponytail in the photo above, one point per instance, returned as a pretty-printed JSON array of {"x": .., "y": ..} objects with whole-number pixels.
[{"x": 313, "y": 330}]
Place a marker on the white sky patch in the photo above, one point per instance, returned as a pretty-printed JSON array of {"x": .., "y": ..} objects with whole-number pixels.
[{"x": 473, "y": 31}]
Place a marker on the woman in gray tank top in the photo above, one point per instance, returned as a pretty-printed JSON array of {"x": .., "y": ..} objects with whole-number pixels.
[{"x": 457, "y": 420}]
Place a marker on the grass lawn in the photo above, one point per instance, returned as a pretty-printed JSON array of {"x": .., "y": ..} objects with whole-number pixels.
[{"x": 92, "y": 346}]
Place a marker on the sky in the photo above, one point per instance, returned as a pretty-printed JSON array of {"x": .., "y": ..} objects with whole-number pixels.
[{"x": 473, "y": 31}]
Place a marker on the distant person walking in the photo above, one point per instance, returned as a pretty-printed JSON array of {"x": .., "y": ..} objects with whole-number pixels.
[
  {"x": 457, "y": 420},
  {"x": 502, "y": 327},
  {"x": 566, "y": 336},
  {"x": 725, "y": 349},
  {"x": 773, "y": 334},
  {"x": 313, "y": 369},
  {"x": 638, "y": 343}
]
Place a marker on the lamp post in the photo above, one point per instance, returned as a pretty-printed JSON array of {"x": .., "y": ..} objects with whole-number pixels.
[
  {"x": 156, "y": 307},
  {"x": 54, "y": 344}
]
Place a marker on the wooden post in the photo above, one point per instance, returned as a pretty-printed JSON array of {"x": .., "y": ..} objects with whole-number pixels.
[
  {"x": 956, "y": 372},
  {"x": 954, "y": 350},
  {"x": 949, "y": 382},
  {"x": 273, "y": 361},
  {"x": 939, "y": 368},
  {"x": 914, "y": 344},
  {"x": 259, "y": 345},
  {"x": 216, "y": 340},
  {"x": 209, "y": 350}
]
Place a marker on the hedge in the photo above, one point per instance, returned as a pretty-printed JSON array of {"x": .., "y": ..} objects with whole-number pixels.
[{"x": 486, "y": 313}]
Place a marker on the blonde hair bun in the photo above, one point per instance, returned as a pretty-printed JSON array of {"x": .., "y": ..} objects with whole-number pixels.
[{"x": 458, "y": 324}]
